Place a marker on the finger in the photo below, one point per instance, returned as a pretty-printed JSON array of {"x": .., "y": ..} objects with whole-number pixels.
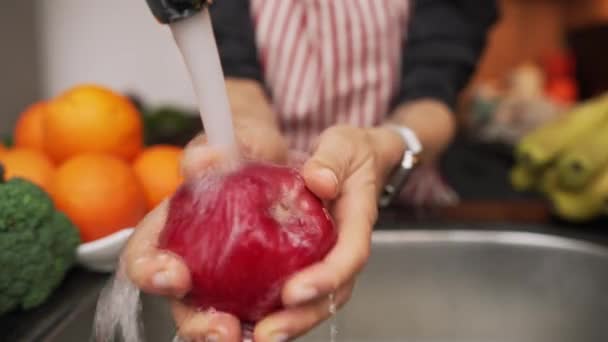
[
  {"x": 294, "y": 322},
  {"x": 149, "y": 268},
  {"x": 355, "y": 213},
  {"x": 325, "y": 171},
  {"x": 193, "y": 325}
]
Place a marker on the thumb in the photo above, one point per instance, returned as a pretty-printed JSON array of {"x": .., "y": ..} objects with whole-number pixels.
[{"x": 327, "y": 169}]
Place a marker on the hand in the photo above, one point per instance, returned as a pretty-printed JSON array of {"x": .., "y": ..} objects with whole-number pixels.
[
  {"x": 346, "y": 169},
  {"x": 158, "y": 272}
]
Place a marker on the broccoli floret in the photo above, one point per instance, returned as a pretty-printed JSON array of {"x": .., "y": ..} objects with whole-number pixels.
[
  {"x": 23, "y": 204},
  {"x": 37, "y": 245}
]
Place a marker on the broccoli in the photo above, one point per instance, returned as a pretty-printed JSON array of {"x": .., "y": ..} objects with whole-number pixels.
[{"x": 37, "y": 245}]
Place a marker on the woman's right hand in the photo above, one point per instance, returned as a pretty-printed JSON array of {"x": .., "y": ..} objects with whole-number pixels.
[{"x": 162, "y": 273}]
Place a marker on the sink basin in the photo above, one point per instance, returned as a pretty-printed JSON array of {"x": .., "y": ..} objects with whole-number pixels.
[{"x": 450, "y": 286}]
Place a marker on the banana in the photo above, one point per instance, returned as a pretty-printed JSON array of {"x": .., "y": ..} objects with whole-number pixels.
[
  {"x": 578, "y": 206},
  {"x": 523, "y": 179},
  {"x": 540, "y": 148},
  {"x": 582, "y": 161}
]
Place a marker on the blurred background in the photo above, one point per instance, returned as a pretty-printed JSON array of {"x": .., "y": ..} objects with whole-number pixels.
[
  {"x": 49, "y": 46},
  {"x": 544, "y": 58}
]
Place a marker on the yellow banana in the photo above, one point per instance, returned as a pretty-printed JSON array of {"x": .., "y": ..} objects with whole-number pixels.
[
  {"x": 579, "y": 206},
  {"x": 541, "y": 147},
  {"x": 523, "y": 179},
  {"x": 583, "y": 160}
]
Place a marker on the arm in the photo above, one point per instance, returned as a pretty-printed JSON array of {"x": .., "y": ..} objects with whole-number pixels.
[{"x": 445, "y": 41}]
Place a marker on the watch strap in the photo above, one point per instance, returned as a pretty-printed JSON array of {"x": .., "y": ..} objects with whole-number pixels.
[{"x": 397, "y": 179}]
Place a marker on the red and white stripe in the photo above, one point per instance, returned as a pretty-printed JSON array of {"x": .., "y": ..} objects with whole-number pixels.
[{"x": 329, "y": 62}]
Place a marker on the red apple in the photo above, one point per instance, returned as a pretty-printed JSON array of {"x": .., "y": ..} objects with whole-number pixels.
[{"x": 243, "y": 234}]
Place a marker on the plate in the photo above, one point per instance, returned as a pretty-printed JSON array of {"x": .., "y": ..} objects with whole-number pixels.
[{"x": 102, "y": 255}]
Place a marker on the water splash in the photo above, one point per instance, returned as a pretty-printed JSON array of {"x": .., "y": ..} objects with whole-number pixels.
[
  {"x": 333, "y": 321},
  {"x": 247, "y": 333},
  {"x": 118, "y": 311}
]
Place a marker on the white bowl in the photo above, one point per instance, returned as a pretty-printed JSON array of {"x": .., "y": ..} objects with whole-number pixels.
[{"x": 102, "y": 255}]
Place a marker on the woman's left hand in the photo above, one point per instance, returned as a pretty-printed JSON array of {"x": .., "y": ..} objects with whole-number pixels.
[{"x": 347, "y": 168}]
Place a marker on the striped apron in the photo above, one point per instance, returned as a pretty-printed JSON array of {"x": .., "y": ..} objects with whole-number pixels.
[{"x": 328, "y": 62}]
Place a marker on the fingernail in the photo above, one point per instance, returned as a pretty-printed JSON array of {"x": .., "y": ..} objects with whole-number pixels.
[
  {"x": 213, "y": 337},
  {"x": 304, "y": 294},
  {"x": 161, "y": 280},
  {"x": 280, "y": 337},
  {"x": 329, "y": 174}
]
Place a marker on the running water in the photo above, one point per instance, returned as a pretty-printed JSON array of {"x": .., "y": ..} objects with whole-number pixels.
[
  {"x": 118, "y": 311},
  {"x": 196, "y": 42},
  {"x": 333, "y": 322}
]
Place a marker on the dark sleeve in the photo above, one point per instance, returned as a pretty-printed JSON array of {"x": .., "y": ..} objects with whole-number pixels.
[
  {"x": 233, "y": 28},
  {"x": 443, "y": 46}
]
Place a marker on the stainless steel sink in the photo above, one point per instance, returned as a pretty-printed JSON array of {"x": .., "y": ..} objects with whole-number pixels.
[{"x": 453, "y": 286}]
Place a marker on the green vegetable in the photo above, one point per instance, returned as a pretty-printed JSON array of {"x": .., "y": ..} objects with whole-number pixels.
[
  {"x": 171, "y": 125},
  {"x": 8, "y": 141},
  {"x": 37, "y": 245}
]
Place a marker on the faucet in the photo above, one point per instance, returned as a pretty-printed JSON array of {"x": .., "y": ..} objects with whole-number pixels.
[{"x": 170, "y": 11}]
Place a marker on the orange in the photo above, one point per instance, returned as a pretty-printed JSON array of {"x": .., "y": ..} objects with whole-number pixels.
[
  {"x": 3, "y": 150},
  {"x": 29, "y": 127},
  {"x": 158, "y": 170},
  {"x": 92, "y": 119},
  {"x": 30, "y": 164},
  {"x": 99, "y": 193}
]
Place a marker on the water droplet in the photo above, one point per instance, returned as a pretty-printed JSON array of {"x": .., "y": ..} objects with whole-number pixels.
[{"x": 247, "y": 333}]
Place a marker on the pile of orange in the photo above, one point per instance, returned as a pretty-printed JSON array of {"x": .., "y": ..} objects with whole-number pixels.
[{"x": 85, "y": 148}]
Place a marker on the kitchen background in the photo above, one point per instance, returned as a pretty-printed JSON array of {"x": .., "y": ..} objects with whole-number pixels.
[{"x": 49, "y": 46}]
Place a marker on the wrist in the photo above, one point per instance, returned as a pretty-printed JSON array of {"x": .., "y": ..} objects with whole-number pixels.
[
  {"x": 388, "y": 147},
  {"x": 431, "y": 120}
]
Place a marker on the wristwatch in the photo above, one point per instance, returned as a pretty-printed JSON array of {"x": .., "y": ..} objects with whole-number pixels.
[{"x": 399, "y": 176}]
